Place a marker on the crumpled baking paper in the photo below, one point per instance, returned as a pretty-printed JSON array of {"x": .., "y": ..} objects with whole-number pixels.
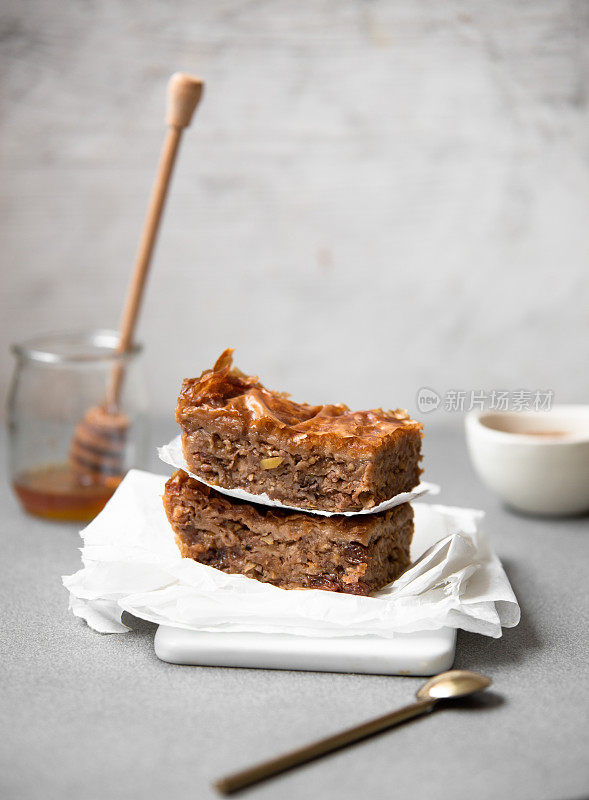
[
  {"x": 131, "y": 563},
  {"x": 172, "y": 454}
]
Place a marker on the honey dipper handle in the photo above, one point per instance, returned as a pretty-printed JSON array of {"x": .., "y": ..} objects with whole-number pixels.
[{"x": 183, "y": 95}]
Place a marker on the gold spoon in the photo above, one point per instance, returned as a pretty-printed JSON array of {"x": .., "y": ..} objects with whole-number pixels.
[{"x": 445, "y": 686}]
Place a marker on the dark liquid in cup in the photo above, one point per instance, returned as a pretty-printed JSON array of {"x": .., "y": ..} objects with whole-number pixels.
[{"x": 552, "y": 434}]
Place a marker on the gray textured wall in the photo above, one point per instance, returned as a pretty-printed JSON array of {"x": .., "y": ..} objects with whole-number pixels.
[{"x": 374, "y": 196}]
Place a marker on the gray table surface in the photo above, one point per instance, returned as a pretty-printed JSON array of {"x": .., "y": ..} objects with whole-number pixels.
[{"x": 85, "y": 715}]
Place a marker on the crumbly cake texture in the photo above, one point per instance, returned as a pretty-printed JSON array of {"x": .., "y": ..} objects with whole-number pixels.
[
  {"x": 238, "y": 434},
  {"x": 290, "y": 549}
]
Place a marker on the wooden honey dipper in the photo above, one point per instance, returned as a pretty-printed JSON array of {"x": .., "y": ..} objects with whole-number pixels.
[{"x": 98, "y": 447}]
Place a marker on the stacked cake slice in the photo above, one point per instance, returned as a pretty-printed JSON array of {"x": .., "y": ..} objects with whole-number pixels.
[{"x": 237, "y": 434}]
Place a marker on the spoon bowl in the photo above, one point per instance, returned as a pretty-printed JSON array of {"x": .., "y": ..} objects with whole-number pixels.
[{"x": 455, "y": 683}]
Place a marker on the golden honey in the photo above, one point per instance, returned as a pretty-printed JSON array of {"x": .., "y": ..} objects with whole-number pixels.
[{"x": 54, "y": 491}]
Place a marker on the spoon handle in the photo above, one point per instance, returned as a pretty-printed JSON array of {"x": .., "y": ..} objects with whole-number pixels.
[{"x": 239, "y": 780}]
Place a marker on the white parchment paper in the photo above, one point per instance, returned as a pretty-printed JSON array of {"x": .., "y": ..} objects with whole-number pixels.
[
  {"x": 172, "y": 454},
  {"x": 131, "y": 563}
]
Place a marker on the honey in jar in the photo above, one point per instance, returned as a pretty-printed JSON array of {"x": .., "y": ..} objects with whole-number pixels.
[{"x": 54, "y": 491}]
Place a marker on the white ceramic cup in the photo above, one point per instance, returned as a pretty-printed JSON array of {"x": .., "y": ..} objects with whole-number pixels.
[{"x": 536, "y": 461}]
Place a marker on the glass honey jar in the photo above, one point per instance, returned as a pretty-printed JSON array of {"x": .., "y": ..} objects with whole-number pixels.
[{"x": 69, "y": 447}]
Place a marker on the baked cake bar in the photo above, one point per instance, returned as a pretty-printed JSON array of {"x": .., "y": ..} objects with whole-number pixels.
[
  {"x": 238, "y": 434},
  {"x": 290, "y": 549}
]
